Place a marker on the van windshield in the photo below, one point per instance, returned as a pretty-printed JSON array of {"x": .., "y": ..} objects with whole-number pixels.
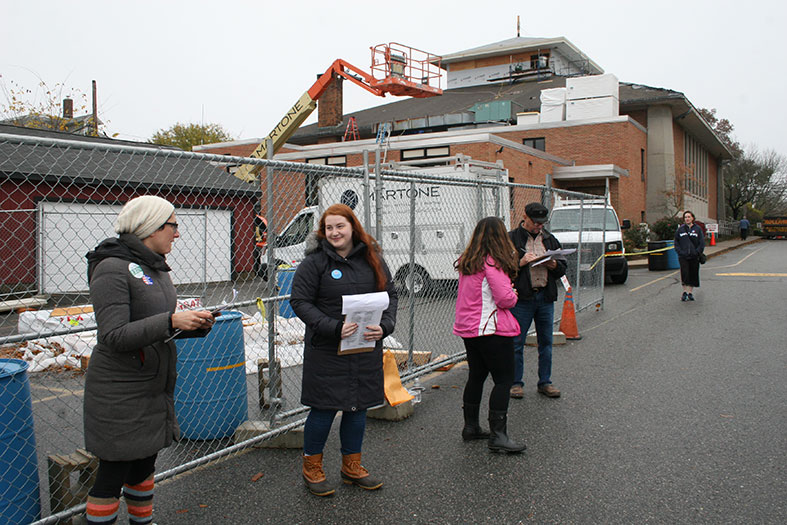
[
  {"x": 297, "y": 231},
  {"x": 567, "y": 220}
]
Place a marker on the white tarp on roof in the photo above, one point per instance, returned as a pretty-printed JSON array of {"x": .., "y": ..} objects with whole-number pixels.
[
  {"x": 553, "y": 96},
  {"x": 553, "y": 113},
  {"x": 590, "y": 108},
  {"x": 592, "y": 86}
]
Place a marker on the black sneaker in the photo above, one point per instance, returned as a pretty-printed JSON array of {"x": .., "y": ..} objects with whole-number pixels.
[
  {"x": 684, "y": 297},
  {"x": 691, "y": 297}
]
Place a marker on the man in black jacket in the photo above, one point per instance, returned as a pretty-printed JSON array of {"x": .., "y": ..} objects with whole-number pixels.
[{"x": 536, "y": 286}]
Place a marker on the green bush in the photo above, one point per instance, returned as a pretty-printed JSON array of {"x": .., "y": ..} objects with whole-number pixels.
[
  {"x": 635, "y": 239},
  {"x": 664, "y": 229}
]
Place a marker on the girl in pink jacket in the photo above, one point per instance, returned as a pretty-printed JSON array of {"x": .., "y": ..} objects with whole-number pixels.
[{"x": 486, "y": 325}]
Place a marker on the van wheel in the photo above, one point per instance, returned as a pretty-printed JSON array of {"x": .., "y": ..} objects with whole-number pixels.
[
  {"x": 621, "y": 277},
  {"x": 418, "y": 285},
  {"x": 262, "y": 269}
]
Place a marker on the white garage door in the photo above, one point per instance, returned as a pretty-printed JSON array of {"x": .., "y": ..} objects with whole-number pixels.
[{"x": 69, "y": 230}]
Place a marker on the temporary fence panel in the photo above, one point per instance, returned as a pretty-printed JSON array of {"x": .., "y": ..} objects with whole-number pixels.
[{"x": 61, "y": 197}]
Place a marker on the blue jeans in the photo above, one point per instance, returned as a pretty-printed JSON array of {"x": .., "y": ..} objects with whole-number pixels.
[
  {"x": 542, "y": 312},
  {"x": 318, "y": 426}
]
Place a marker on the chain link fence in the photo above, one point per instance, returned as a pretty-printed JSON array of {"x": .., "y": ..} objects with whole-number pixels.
[{"x": 238, "y": 248}]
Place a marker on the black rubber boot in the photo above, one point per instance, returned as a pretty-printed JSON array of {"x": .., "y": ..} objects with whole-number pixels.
[
  {"x": 499, "y": 440},
  {"x": 472, "y": 429}
]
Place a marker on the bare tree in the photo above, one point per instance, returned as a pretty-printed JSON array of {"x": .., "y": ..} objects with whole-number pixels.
[{"x": 758, "y": 179}]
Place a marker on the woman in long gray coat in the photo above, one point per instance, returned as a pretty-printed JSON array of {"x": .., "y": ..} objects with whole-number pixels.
[
  {"x": 129, "y": 412},
  {"x": 345, "y": 261}
]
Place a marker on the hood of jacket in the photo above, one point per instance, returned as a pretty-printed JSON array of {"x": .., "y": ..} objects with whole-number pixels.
[{"x": 127, "y": 247}]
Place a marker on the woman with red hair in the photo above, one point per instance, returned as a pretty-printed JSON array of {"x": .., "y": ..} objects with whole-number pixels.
[{"x": 344, "y": 260}]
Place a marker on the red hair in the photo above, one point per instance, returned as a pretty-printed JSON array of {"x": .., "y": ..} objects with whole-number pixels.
[{"x": 372, "y": 255}]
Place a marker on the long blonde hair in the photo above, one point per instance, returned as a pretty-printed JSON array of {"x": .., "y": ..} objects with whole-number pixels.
[{"x": 489, "y": 238}]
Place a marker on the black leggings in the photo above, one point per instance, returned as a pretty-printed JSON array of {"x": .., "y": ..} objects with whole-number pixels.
[
  {"x": 489, "y": 354},
  {"x": 112, "y": 475}
]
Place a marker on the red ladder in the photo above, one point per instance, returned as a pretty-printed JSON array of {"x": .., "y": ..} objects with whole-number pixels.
[{"x": 351, "y": 132}]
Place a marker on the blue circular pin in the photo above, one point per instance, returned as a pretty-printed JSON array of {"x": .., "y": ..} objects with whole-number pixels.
[{"x": 336, "y": 274}]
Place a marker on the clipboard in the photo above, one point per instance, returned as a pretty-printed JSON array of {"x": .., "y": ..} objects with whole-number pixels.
[
  {"x": 353, "y": 350},
  {"x": 364, "y": 309}
]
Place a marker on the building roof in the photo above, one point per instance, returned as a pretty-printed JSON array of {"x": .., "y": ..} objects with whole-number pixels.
[
  {"x": 524, "y": 97},
  {"x": 115, "y": 162}
]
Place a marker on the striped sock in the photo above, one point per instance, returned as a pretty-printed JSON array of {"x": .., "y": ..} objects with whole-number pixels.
[
  {"x": 139, "y": 501},
  {"x": 102, "y": 510}
]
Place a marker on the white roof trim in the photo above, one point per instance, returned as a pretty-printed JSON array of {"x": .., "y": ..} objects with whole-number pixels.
[{"x": 589, "y": 172}]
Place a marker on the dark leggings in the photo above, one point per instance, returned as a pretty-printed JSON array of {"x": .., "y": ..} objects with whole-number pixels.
[
  {"x": 489, "y": 354},
  {"x": 112, "y": 475}
]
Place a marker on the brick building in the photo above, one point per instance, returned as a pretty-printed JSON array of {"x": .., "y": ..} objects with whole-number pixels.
[{"x": 651, "y": 144}]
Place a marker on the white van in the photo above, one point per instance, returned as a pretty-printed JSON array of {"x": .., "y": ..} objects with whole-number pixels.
[
  {"x": 596, "y": 216},
  {"x": 445, "y": 216}
]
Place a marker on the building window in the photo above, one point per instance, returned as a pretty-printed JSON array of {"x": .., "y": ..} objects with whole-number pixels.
[
  {"x": 426, "y": 153},
  {"x": 539, "y": 143},
  {"x": 311, "y": 180},
  {"x": 340, "y": 160},
  {"x": 695, "y": 169},
  {"x": 539, "y": 61},
  {"x": 642, "y": 164}
]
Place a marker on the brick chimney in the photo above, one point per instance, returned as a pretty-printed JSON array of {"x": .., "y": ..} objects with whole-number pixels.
[
  {"x": 68, "y": 108},
  {"x": 330, "y": 112}
]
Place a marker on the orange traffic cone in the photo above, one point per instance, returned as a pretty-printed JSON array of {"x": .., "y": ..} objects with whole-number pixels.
[
  {"x": 568, "y": 321},
  {"x": 713, "y": 238}
]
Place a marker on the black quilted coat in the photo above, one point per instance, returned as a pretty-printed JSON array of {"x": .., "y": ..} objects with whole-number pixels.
[{"x": 330, "y": 381}]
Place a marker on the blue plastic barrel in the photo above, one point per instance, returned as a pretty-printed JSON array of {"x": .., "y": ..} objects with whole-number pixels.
[
  {"x": 284, "y": 282},
  {"x": 20, "y": 501},
  {"x": 210, "y": 394},
  {"x": 672, "y": 256}
]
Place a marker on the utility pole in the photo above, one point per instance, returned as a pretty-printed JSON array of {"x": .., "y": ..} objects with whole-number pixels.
[{"x": 95, "y": 111}]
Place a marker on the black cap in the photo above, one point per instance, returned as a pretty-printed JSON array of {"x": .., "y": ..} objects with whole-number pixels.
[{"x": 537, "y": 212}]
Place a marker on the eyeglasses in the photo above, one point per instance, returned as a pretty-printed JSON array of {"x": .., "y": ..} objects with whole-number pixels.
[{"x": 173, "y": 224}]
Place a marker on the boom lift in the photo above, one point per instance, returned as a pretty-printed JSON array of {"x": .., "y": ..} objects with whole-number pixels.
[{"x": 396, "y": 69}]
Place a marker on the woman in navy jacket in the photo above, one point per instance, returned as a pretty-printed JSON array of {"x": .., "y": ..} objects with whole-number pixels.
[
  {"x": 689, "y": 244},
  {"x": 345, "y": 261}
]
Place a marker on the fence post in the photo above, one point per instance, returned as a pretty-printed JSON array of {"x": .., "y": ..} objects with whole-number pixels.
[
  {"x": 378, "y": 205},
  {"x": 274, "y": 370},
  {"x": 576, "y": 292},
  {"x": 411, "y": 332},
  {"x": 367, "y": 212}
]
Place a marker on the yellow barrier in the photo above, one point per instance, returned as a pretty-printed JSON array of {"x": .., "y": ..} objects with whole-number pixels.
[{"x": 628, "y": 254}]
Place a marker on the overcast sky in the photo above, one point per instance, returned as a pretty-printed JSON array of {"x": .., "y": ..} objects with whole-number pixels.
[{"x": 242, "y": 64}]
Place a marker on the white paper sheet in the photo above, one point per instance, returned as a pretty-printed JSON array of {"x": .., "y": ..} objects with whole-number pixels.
[
  {"x": 553, "y": 254},
  {"x": 365, "y": 309}
]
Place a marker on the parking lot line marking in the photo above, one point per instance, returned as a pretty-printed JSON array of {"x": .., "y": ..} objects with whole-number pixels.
[
  {"x": 50, "y": 389},
  {"x": 653, "y": 281},
  {"x": 50, "y": 398},
  {"x": 737, "y": 263},
  {"x": 676, "y": 272},
  {"x": 745, "y": 274}
]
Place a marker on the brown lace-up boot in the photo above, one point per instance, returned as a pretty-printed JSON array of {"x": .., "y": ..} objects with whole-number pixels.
[
  {"x": 353, "y": 473},
  {"x": 314, "y": 476}
]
